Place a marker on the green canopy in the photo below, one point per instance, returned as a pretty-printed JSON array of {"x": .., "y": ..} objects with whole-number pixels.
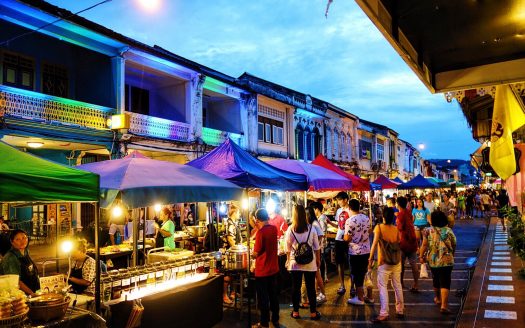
[{"x": 25, "y": 178}]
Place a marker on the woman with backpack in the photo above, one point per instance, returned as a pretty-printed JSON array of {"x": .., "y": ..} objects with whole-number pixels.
[
  {"x": 440, "y": 242},
  {"x": 386, "y": 242},
  {"x": 303, "y": 259}
]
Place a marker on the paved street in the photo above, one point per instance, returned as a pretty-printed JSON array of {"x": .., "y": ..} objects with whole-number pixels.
[{"x": 420, "y": 309}]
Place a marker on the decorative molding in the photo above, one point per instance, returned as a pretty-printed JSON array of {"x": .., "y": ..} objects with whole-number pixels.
[{"x": 459, "y": 95}]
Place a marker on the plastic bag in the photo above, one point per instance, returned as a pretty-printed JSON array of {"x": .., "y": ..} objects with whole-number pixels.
[
  {"x": 424, "y": 271},
  {"x": 368, "y": 283}
]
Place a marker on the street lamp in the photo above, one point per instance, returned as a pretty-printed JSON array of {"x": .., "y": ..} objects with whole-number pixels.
[{"x": 149, "y": 5}]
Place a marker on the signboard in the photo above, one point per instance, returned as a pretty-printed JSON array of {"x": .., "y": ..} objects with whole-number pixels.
[{"x": 48, "y": 284}]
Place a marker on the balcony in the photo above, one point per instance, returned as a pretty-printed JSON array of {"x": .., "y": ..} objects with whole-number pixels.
[
  {"x": 150, "y": 126},
  {"x": 216, "y": 137},
  {"x": 34, "y": 106}
]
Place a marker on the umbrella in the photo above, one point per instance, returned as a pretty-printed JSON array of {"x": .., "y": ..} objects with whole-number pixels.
[
  {"x": 318, "y": 178},
  {"x": 232, "y": 163},
  {"x": 141, "y": 181},
  {"x": 419, "y": 182},
  {"x": 358, "y": 184},
  {"x": 385, "y": 183}
]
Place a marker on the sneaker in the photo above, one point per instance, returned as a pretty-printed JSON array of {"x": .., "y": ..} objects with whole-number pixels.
[
  {"x": 321, "y": 298},
  {"x": 355, "y": 301},
  {"x": 369, "y": 300}
]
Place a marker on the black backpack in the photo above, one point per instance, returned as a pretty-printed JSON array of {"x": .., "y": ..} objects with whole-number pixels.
[{"x": 304, "y": 253}]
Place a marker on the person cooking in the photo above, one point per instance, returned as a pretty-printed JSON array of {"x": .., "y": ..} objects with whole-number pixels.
[
  {"x": 82, "y": 272},
  {"x": 17, "y": 261},
  {"x": 167, "y": 230}
]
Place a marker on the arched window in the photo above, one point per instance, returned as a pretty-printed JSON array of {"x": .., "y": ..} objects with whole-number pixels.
[
  {"x": 336, "y": 145},
  {"x": 308, "y": 136},
  {"x": 349, "y": 147},
  {"x": 343, "y": 147},
  {"x": 328, "y": 150},
  {"x": 317, "y": 142},
  {"x": 299, "y": 142}
]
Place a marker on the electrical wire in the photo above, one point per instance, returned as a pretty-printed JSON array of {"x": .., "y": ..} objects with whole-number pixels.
[{"x": 52, "y": 23}]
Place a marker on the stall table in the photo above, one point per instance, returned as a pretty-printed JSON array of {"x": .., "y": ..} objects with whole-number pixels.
[
  {"x": 74, "y": 317},
  {"x": 178, "y": 307}
]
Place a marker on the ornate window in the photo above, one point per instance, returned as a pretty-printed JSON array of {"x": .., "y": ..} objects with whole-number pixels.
[
  {"x": 299, "y": 142},
  {"x": 55, "y": 80},
  {"x": 270, "y": 131},
  {"x": 317, "y": 139},
  {"x": 380, "y": 152}
]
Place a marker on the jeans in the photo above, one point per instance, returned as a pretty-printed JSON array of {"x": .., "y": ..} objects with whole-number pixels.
[
  {"x": 297, "y": 280},
  {"x": 267, "y": 298},
  {"x": 384, "y": 272}
]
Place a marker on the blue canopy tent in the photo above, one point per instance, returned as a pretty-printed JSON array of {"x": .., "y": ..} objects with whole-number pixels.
[
  {"x": 232, "y": 163},
  {"x": 398, "y": 180},
  {"x": 419, "y": 182}
]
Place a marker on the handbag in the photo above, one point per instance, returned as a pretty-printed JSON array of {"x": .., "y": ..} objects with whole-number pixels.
[
  {"x": 423, "y": 273},
  {"x": 390, "y": 252}
]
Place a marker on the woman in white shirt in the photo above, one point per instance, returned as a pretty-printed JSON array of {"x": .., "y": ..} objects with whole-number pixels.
[{"x": 300, "y": 232}]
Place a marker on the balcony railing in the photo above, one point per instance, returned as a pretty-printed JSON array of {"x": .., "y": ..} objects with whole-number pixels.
[
  {"x": 40, "y": 107},
  {"x": 156, "y": 127},
  {"x": 216, "y": 137}
]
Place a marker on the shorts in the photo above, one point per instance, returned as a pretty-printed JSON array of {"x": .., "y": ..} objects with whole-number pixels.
[
  {"x": 421, "y": 227},
  {"x": 341, "y": 252},
  {"x": 411, "y": 256},
  {"x": 358, "y": 268},
  {"x": 441, "y": 277}
]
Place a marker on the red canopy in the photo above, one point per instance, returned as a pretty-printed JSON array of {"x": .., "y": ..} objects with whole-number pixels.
[
  {"x": 385, "y": 182},
  {"x": 358, "y": 184}
]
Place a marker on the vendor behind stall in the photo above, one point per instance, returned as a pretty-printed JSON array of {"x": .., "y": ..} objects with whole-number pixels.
[
  {"x": 167, "y": 230},
  {"x": 116, "y": 232},
  {"x": 231, "y": 225},
  {"x": 82, "y": 272},
  {"x": 17, "y": 261}
]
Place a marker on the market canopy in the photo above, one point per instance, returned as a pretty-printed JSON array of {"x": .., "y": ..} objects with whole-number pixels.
[
  {"x": 358, "y": 184},
  {"x": 385, "y": 183},
  {"x": 26, "y": 178},
  {"x": 231, "y": 162},
  {"x": 319, "y": 178},
  {"x": 139, "y": 181},
  {"x": 419, "y": 182},
  {"x": 438, "y": 182},
  {"x": 398, "y": 180}
]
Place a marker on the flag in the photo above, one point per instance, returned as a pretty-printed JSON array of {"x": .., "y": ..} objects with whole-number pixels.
[{"x": 507, "y": 117}]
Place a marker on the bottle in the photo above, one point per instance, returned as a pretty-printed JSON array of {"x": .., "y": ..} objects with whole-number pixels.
[
  {"x": 116, "y": 285},
  {"x": 126, "y": 280},
  {"x": 105, "y": 281},
  {"x": 143, "y": 276}
]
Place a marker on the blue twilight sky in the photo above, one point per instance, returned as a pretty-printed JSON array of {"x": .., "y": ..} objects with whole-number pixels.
[{"x": 343, "y": 59}]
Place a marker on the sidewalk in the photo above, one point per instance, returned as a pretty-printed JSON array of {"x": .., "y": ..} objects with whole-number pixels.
[{"x": 497, "y": 295}]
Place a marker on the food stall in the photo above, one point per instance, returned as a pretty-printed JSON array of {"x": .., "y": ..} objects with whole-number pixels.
[
  {"x": 134, "y": 295},
  {"x": 28, "y": 179}
]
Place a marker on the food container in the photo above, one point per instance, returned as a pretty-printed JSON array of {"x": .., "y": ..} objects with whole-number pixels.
[
  {"x": 236, "y": 258},
  {"x": 54, "y": 309},
  {"x": 196, "y": 231}
]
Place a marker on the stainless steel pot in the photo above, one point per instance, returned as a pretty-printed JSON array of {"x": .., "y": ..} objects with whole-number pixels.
[
  {"x": 196, "y": 231},
  {"x": 236, "y": 258}
]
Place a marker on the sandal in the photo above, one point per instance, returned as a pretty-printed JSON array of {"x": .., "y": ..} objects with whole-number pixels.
[
  {"x": 295, "y": 315},
  {"x": 317, "y": 316},
  {"x": 380, "y": 318},
  {"x": 304, "y": 305},
  {"x": 445, "y": 311},
  {"x": 341, "y": 291}
]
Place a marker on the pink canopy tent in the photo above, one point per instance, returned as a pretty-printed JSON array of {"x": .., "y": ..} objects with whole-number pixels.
[
  {"x": 358, "y": 184},
  {"x": 317, "y": 177},
  {"x": 385, "y": 182}
]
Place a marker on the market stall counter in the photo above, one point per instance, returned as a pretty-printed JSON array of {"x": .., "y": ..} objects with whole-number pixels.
[
  {"x": 176, "y": 307},
  {"x": 120, "y": 255},
  {"x": 75, "y": 317}
]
